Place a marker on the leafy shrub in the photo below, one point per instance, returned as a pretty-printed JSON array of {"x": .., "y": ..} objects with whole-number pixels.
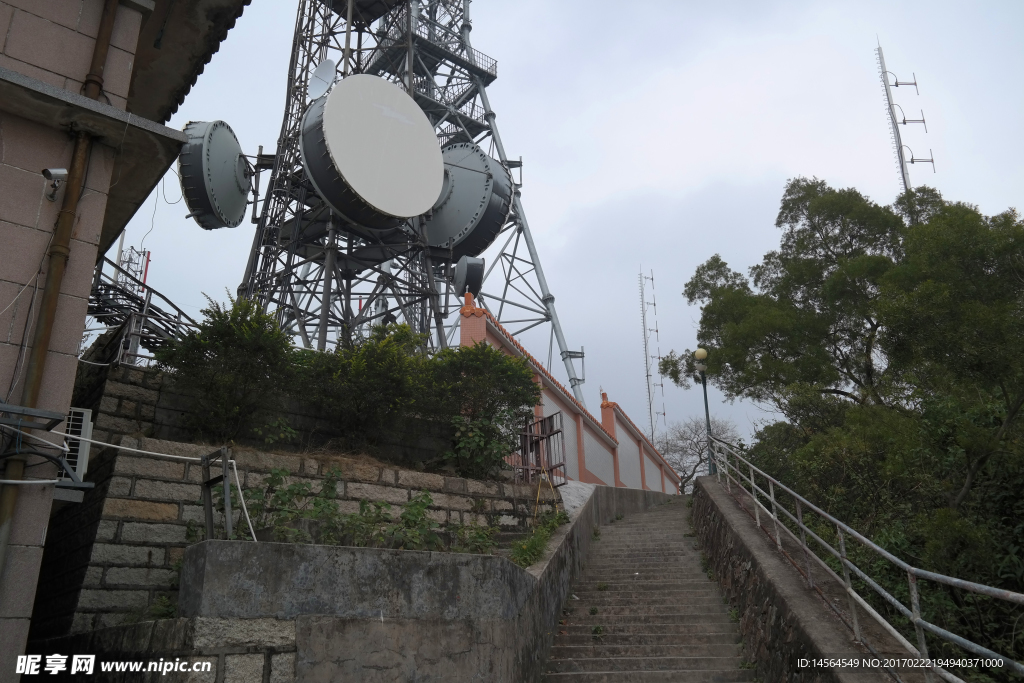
[
  {"x": 526, "y": 552},
  {"x": 487, "y": 396},
  {"x": 471, "y": 538},
  {"x": 239, "y": 367},
  {"x": 284, "y": 507},
  {"x": 236, "y": 367},
  {"x": 364, "y": 387}
]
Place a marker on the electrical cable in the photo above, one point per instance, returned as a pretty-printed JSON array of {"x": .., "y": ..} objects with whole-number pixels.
[
  {"x": 46, "y": 444},
  {"x": 165, "y": 189},
  {"x": 24, "y": 342},
  {"x": 232, "y": 462},
  {"x": 152, "y": 222}
]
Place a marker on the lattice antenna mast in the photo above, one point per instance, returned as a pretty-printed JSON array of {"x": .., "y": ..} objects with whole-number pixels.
[
  {"x": 648, "y": 317},
  {"x": 327, "y": 281},
  {"x": 896, "y": 120}
]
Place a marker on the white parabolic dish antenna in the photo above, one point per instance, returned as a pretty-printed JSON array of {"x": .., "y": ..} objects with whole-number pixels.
[
  {"x": 371, "y": 153},
  {"x": 323, "y": 78}
]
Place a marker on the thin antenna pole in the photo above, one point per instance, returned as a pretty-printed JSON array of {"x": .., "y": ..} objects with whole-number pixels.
[
  {"x": 348, "y": 36},
  {"x": 893, "y": 124},
  {"x": 647, "y": 351}
]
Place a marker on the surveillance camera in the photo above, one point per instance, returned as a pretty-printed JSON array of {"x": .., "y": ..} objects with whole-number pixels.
[{"x": 58, "y": 176}]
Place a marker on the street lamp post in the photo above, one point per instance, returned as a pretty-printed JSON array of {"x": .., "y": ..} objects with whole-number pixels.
[{"x": 700, "y": 355}]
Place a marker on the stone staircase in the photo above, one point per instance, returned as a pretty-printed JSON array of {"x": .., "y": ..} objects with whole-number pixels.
[{"x": 646, "y": 611}]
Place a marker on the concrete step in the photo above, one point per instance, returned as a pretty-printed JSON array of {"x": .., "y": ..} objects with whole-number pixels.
[
  {"x": 643, "y": 664},
  {"x": 660, "y": 617},
  {"x": 649, "y": 589},
  {"x": 705, "y": 624},
  {"x": 614, "y": 586},
  {"x": 699, "y": 635},
  {"x": 598, "y": 648},
  {"x": 683, "y": 676},
  {"x": 659, "y": 561},
  {"x": 683, "y": 576},
  {"x": 641, "y": 598},
  {"x": 627, "y": 607}
]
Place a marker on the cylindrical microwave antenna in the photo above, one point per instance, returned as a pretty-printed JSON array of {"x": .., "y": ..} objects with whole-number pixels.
[{"x": 371, "y": 153}]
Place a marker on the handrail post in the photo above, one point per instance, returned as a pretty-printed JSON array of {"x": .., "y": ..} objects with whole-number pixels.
[
  {"x": 915, "y": 609},
  {"x": 728, "y": 477},
  {"x": 775, "y": 514},
  {"x": 753, "y": 493},
  {"x": 803, "y": 542},
  {"x": 207, "y": 498},
  {"x": 225, "y": 457},
  {"x": 849, "y": 585},
  {"x": 717, "y": 470}
]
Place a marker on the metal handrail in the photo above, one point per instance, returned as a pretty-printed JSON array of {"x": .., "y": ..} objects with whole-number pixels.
[{"x": 721, "y": 452}]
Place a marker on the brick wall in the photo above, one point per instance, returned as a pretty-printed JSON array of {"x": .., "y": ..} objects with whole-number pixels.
[{"x": 109, "y": 559}]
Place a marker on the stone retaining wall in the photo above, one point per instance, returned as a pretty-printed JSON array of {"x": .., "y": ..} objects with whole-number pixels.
[
  {"x": 116, "y": 555},
  {"x": 287, "y": 613},
  {"x": 781, "y": 619}
]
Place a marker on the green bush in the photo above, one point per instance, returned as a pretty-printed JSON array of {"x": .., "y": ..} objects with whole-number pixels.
[
  {"x": 239, "y": 367},
  {"x": 526, "y": 552},
  {"x": 281, "y": 507},
  {"x": 236, "y": 367},
  {"x": 487, "y": 396},
  {"x": 363, "y": 388}
]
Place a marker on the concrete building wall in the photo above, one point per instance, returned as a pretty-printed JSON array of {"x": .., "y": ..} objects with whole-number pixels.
[
  {"x": 572, "y": 462},
  {"x": 605, "y": 451},
  {"x": 599, "y": 458},
  {"x": 652, "y": 475},
  {"x": 629, "y": 457},
  {"x": 51, "y": 41}
]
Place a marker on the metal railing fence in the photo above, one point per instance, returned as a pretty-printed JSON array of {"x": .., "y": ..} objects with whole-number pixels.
[{"x": 736, "y": 469}]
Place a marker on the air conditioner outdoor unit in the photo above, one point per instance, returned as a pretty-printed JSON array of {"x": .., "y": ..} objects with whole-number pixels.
[{"x": 79, "y": 423}]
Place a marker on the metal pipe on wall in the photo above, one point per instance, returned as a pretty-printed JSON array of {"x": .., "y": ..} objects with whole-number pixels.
[{"x": 60, "y": 250}]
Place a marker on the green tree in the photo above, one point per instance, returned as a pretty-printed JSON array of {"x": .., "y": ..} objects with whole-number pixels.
[
  {"x": 802, "y": 331},
  {"x": 890, "y": 339},
  {"x": 953, "y": 321},
  {"x": 236, "y": 366}
]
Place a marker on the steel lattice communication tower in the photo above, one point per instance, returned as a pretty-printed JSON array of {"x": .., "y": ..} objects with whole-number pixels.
[{"x": 328, "y": 280}]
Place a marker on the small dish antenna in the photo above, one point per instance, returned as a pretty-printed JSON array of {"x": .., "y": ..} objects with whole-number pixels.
[
  {"x": 215, "y": 176},
  {"x": 469, "y": 276},
  {"x": 322, "y": 79}
]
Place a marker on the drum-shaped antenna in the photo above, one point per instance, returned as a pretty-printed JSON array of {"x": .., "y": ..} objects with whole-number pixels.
[
  {"x": 468, "y": 276},
  {"x": 214, "y": 175},
  {"x": 474, "y": 201},
  {"x": 322, "y": 78},
  {"x": 371, "y": 153}
]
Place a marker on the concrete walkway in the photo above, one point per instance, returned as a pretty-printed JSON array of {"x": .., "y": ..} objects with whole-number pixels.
[{"x": 646, "y": 611}]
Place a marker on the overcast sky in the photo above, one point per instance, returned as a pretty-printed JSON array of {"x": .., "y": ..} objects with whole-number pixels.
[{"x": 656, "y": 134}]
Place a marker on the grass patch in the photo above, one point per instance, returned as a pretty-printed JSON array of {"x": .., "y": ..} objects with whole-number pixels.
[
  {"x": 602, "y": 586},
  {"x": 593, "y": 610},
  {"x": 526, "y": 552}
]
